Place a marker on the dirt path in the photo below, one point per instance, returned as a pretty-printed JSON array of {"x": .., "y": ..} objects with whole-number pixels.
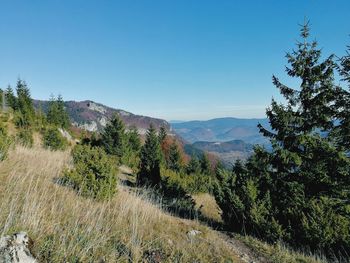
[{"x": 245, "y": 253}]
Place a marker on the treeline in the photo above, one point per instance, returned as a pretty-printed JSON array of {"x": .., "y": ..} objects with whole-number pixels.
[
  {"x": 27, "y": 119},
  {"x": 158, "y": 163},
  {"x": 299, "y": 192}
]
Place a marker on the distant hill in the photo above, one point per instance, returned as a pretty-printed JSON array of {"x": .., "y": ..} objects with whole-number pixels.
[
  {"x": 224, "y": 147},
  {"x": 227, "y": 152},
  {"x": 221, "y": 130},
  {"x": 93, "y": 116}
]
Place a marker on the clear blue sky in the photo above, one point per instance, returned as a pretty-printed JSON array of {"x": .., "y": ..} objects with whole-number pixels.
[{"x": 178, "y": 59}]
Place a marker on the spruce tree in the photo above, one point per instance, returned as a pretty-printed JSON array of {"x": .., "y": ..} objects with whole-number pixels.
[
  {"x": 24, "y": 106},
  {"x": 162, "y": 134},
  {"x": 11, "y": 99},
  {"x": 64, "y": 118},
  {"x": 134, "y": 140},
  {"x": 305, "y": 177},
  {"x": 150, "y": 159},
  {"x": 174, "y": 159},
  {"x": 194, "y": 166},
  {"x": 56, "y": 114},
  {"x": 113, "y": 137},
  {"x": 342, "y": 132},
  {"x": 205, "y": 164}
]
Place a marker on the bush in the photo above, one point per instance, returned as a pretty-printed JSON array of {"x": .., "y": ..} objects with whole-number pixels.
[
  {"x": 191, "y": 183},
  {"x": 54, "y": 140},
  {"x": 5, "y": 143},
  {"x": 176, "y": 199},
  {"x": 94, "y": 173},
  {"x": 25, "y": 137}
]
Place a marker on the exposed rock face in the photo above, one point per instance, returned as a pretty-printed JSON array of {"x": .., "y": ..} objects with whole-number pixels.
[
  {"x": 16, "y": 249},
  {"x": 94, "y": 116}
]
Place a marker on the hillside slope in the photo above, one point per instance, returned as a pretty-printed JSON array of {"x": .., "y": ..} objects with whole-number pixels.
[
  {"x": 93, "y": 116},
  {"x": 66, "y": 227}
]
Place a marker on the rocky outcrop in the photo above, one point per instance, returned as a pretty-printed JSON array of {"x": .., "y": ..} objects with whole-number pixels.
[{"x": 16, "y": 249}]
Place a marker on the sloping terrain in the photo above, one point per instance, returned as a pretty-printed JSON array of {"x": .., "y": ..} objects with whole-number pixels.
[{"x": 66, "y": 227}]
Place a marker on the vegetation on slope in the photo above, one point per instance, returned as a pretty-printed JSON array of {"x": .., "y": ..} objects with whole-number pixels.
[
  {"x": 299, "y": 191},
  {"x": 67, "y": 227}
]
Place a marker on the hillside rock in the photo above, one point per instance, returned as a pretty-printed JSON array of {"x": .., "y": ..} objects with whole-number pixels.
[{"x": 16, "y": 249}]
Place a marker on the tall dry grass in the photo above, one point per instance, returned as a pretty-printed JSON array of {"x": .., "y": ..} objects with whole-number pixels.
[{"x": 66, "y": 227}]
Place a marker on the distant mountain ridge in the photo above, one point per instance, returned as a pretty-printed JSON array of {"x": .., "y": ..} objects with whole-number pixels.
[
  {"x": 93, "y": 116},
  {"x": 226, "y": 152},
  {"x": 224, "y": 147},
  {"x": 222, "y": 130}
]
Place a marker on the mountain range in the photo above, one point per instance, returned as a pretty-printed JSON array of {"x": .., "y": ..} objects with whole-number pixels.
[
  {"x": 222, "y": 130},
  {"x": 226, "y": 138},
  {"x": 93, "y": 116}
]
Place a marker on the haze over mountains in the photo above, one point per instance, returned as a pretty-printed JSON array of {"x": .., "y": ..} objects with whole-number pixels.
[
  {"x": 228, "y": 139},
  {"x": 222, "y": 130}
]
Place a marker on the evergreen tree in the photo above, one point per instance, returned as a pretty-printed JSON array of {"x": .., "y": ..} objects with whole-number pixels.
[
  {"x": 24, "y": 106},
  {"x": 11, "y": 99},
  {"x": 64, "y": 118},
  {"x": 174, "y": 160},
  {"x": 342, "y": 132},
  {"x": 194, "y": 166},
  {"x": 56, "y": 114},
  {"x": 150, "y": 157},
  {"x": 162, "y": 134},
  {"x": 113, "y": 137},
  {"x": 205, "y": 164},
  {"x": 134, "y": 140},
  {"x": 282, "y": 193}
]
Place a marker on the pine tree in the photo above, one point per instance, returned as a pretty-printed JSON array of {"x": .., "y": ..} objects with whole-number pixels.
[
  {"x": 11, "y": 99},
  {"x": 150, "y": 157},
  {"x": 64, "y": 118},
  {"x": 113, "y": 137},
  {"x": 205, "y": 164},
  {"x": 162, "y": 134},
  {"x": 174, "y": 160},
  {"x": 342, "y": 132},
  {"x": 134, "y": 141},
  {"x": 194, "y": 166},
  {"x": 24, "y": 106},
  {"x": 56, "y": 114},
  {"x": 285, "y": 192}
]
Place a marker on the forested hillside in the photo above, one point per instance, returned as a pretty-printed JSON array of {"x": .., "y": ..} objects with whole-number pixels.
[
  {"x": 94, "y": 116},
  {"x": 116, "y": 195}
]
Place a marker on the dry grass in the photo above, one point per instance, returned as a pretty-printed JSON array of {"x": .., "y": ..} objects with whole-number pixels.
[
  {"x": 208, "y": 207},
  {"x": 279, "y": 253},
  {"x": 66, "y": 227}
]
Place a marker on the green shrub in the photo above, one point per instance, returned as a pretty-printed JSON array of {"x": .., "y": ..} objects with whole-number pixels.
[
  {"x": 54, "y": 140},
  {"x": 322, "y": 227},
  {"x": 176, "y": 199},
  {"x": 94, "y": 173},
  {"x": 25, "y": 137},
  {"x": 5, "y": 142},
  {"x": 191, "y": 183}
]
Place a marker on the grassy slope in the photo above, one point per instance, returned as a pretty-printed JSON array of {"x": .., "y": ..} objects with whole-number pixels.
[{"x": 67, "y": 227}]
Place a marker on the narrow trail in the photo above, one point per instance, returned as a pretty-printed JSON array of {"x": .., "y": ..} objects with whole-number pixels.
[{"x": 245, "y": 253}]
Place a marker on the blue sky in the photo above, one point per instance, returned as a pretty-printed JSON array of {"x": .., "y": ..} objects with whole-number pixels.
[{"x": 181, "y": 59}]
